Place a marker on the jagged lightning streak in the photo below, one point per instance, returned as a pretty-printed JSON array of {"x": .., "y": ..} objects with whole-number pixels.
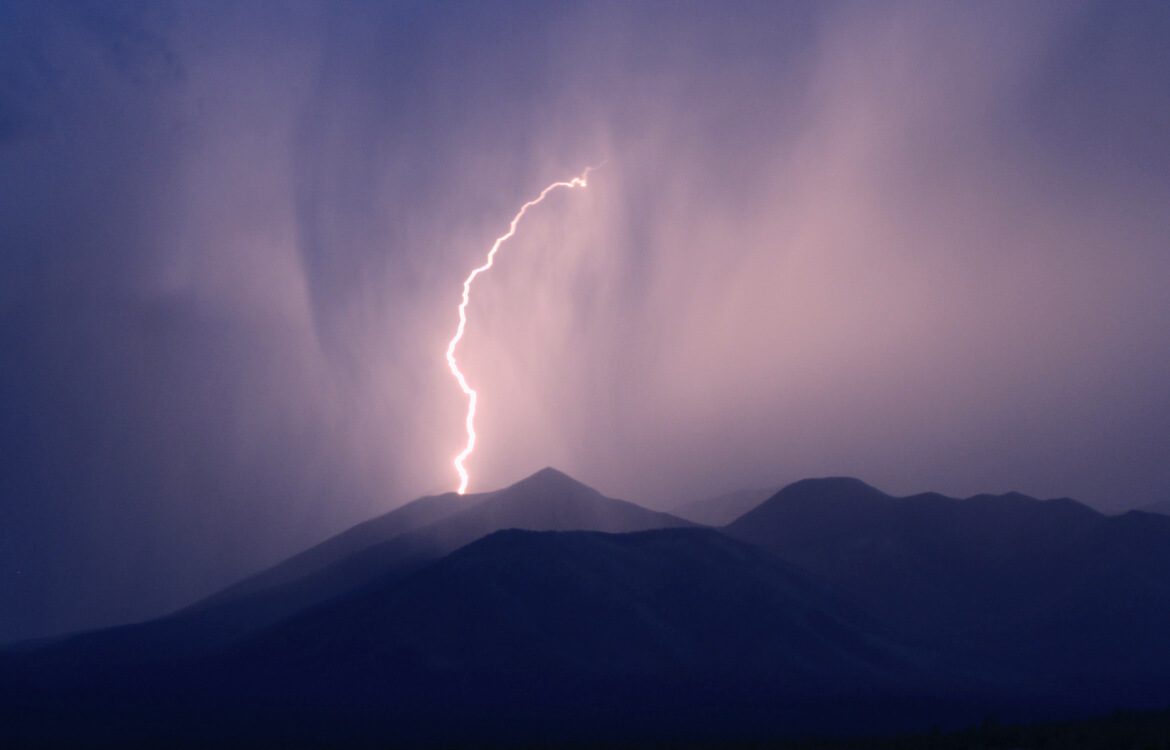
[{"x": 468, "y": 391}]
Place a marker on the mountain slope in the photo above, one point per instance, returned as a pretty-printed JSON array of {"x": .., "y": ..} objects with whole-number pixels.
[
  {"x": 414, "y": 515},
  {"x": 384, "y": 549},
  {"x": 593, "y": 602}
]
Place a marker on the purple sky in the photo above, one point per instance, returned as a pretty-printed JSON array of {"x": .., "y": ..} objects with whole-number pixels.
[{"x": 925, "y": 244}]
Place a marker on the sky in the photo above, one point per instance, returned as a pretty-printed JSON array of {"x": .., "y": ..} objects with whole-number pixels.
[{"x": 926, "y": 244}]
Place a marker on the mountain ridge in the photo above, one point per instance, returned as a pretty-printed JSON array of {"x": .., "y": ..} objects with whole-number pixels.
[
  {"x": 1030, "y": 581},
  {"x": 830, "y": 601}
]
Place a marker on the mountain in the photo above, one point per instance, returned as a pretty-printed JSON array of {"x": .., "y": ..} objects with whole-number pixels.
[
  {"x": 672, "y": 599},
  {"x": 926, "y": 561},
  {"x": 535, "y": 637},
  {"x": 1047, "y": 593},
  {"x": 832, "y": 607},
  {"x": 548, "y": 500},
  {"x": 723, "y": 509},
  {"x": 385, "y": 548}
]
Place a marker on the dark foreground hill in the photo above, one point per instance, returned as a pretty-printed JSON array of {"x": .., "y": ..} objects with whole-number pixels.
[{"x": 670, "y": 635}]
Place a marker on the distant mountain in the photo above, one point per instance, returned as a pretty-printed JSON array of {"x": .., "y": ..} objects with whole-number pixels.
[
  {"x": 925, "y": 561},
  {"x": 723, "y": 509},
  {"x": 1073, "y": 601}
]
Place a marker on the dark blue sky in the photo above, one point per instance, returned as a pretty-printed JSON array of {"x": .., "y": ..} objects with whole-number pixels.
[{"x": 926, "y": 244}]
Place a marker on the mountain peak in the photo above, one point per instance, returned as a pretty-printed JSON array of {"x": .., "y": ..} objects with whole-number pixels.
[
  {"x": 835, "y": 486},
  {"x": 551, "y": 500},
  {"x": 824, "y": 498},
  {"x": 549, "y": 480}
]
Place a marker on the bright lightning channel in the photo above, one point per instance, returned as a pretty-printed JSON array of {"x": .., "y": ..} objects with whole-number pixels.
[{"x": 468, "y": 391}]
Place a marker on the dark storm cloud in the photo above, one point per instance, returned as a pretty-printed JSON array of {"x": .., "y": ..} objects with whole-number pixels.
[{"x": 925, "y": 244}]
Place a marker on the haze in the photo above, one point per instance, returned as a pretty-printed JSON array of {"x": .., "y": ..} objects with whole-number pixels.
[{"x": 924, "y": 244}]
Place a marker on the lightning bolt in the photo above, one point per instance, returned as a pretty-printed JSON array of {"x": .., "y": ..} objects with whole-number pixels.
[{"x": 468, "y": 391}]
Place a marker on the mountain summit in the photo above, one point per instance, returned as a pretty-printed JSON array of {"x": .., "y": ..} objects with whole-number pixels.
[{"x": 548, "y": 500}]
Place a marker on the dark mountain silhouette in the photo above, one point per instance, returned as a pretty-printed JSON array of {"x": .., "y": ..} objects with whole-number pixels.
[
  {"x": 1044, "y": 593},
  {"x": 830, "y": 607},
  {"x": 592, "y": 602},
  {"x": 676, "y": 633},
  {"x": 925, "y": 561},
  {"x": 383, "y": 549},
  {"x": 723, "y": 509}
]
